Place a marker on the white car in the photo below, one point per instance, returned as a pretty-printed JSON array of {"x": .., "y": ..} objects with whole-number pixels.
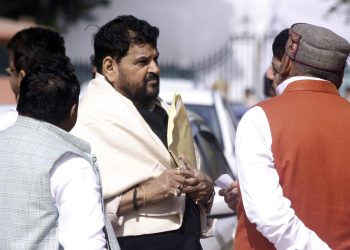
[{"x": 214, "y": 164}]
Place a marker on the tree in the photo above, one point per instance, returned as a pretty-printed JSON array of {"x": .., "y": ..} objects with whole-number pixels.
[
  {"x": 55, "y": 13},
  {"x": 341, "y": 6}
]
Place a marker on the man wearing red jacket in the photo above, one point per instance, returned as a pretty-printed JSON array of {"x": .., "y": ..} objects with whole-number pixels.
[{"x": 292, "y": 151}]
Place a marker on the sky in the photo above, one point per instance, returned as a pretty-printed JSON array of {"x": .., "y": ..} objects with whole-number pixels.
[
  {"x": 190, "y": 29},
  {"x": 283, "y": 13}
]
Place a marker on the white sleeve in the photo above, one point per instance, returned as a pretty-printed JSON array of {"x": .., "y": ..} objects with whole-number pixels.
[
  {"x": 76, "y": 194},
  {"x": 262, "y": 194}
]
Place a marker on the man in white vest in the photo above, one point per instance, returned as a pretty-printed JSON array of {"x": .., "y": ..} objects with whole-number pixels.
[
  {"x": 50, "y": 193},
  {"x": 151, "y": 203}
]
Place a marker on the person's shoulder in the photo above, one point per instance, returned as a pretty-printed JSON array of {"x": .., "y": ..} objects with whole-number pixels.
[
  {"x": 8, "y": 118},
  {"x": 71, "y": 164},
  {"x": 253, "y": 116},
  {"x": 271, "y": 102},
  {"x": 75, "y": 159},
  {"x": 252, "y": 112}
]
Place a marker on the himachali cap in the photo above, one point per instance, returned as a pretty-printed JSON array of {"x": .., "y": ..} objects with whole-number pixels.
[{"x": 317, "y": 47}]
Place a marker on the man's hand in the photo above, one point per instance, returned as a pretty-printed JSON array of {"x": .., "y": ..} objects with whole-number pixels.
[
  {"x": 171, "y": 182},
  {"x": 230, "y": 195},
  {"x": 198, "y": 186}
]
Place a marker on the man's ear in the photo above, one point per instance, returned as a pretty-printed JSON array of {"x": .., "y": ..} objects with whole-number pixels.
[
  {"x": 21, "y": 74},
  {"x": 283, "y": 71},
  {"x": 69, "y": 122},
  {"x": 109, "y": 69},
  {"x": 74, "y": 112},
  {"x": 286, "y": 68}
]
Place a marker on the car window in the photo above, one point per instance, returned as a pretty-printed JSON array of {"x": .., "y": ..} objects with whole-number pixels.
[
  {"x": 213, "y": 161},
  {"x": 210, "y": 117},
  {"x": 237, "y": 110}
]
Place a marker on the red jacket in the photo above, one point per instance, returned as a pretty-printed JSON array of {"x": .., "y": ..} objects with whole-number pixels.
[{"x": 310, "y": 128}]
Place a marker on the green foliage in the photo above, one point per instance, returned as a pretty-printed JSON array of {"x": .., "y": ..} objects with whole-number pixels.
[{"x": 55, "y": 13}]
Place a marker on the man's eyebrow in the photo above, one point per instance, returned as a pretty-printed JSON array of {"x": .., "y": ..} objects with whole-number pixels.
[
  {"x": 147, "y": 56},
  {"x": 142, "y": 57}
]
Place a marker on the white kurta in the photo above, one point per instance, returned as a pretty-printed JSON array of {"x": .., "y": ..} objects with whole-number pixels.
[
  {"x": 8, "y": 118},
  {"x": 76, "y": 195},
  {"x": 262, "y": 194}
]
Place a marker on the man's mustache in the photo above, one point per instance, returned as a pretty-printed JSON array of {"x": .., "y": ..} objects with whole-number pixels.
[{"x": 152, "y": 77}]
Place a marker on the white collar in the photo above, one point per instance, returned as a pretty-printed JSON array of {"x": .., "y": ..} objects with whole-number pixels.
[{"x": 280, "y": 88}]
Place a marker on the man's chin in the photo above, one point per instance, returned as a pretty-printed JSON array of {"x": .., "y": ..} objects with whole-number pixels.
[
  {"x": 153, "y": 95},
  {"x": 152, "y": 91}
]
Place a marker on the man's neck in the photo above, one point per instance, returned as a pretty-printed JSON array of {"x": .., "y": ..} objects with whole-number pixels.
[{"x": 146, "y": 105}]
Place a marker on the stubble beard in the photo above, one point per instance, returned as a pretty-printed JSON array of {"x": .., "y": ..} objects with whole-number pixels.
[{"x": 140, "y": 94}]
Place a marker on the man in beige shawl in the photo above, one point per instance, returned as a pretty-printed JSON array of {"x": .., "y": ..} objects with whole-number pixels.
[{"x": 151, "y": 201}]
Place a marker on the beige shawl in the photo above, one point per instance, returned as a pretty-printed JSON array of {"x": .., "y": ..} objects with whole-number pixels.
[{"x": 128, "y": 153}]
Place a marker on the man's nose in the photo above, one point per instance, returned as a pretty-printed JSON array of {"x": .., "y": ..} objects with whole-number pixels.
[{"x": 154, "y": 67}]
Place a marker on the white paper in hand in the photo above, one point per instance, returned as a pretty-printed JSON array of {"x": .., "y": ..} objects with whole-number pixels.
[{"x": 224, "y": 181}]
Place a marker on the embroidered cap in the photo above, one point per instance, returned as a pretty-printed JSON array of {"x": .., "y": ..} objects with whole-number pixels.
[{"x": 317, "y": 47}]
